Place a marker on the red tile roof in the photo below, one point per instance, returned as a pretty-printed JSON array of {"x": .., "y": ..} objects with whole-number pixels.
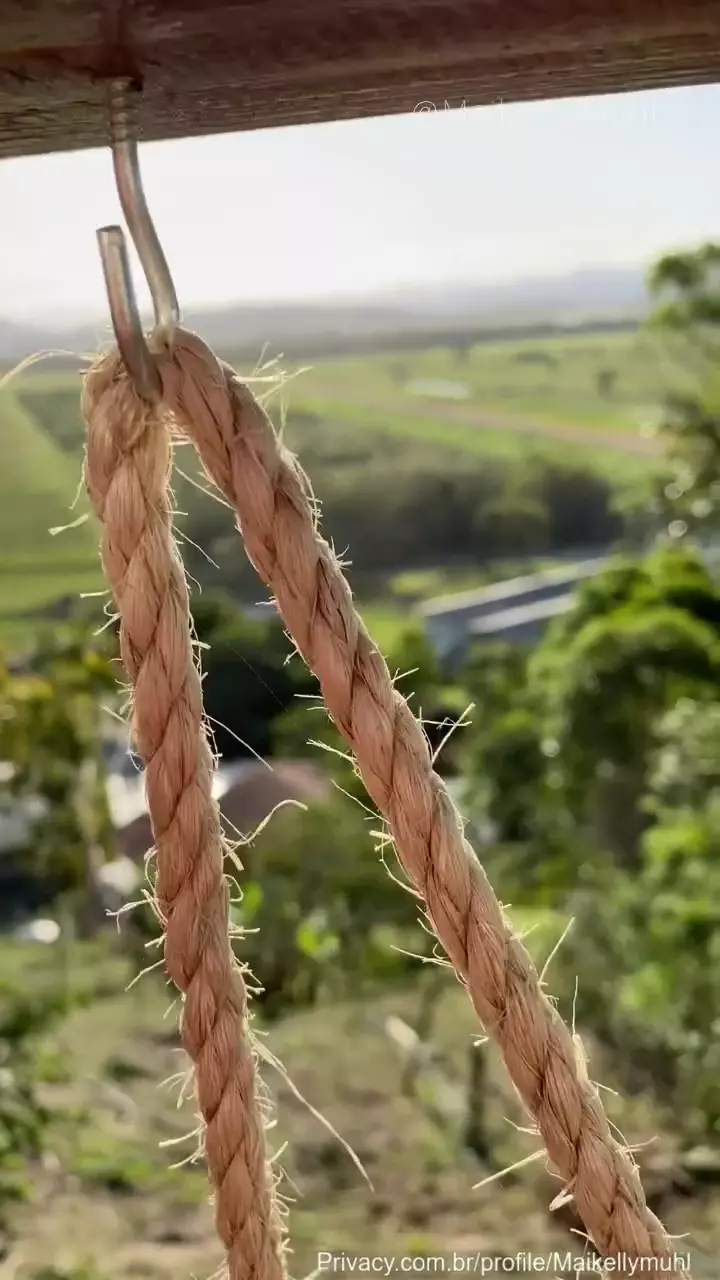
[{"x": 246, "y": 803}]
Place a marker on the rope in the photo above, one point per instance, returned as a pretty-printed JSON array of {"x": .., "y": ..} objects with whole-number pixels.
[
  {"x": 127, "y": 474},
  {"x": 273, "y": 500}
]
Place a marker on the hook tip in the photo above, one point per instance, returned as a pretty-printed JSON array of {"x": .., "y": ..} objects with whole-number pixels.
[{"x": 132, "y": 345}]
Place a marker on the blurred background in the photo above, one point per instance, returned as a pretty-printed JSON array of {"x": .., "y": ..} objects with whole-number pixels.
[{"x": 492, "y": 337}]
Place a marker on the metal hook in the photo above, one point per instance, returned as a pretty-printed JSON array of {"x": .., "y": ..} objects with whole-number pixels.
[{"x": 124, "y": 313}]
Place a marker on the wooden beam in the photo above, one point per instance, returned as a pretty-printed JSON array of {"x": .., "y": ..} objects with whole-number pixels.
[{"x": 210, "y": 66}]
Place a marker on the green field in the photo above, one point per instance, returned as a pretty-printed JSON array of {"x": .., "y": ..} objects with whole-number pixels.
[
  {"x": 500, "y": 400},
  {"x": 41, "y": 558},
  {"x": 555, "y": 380},
  {"x": 596, "y": 397}
]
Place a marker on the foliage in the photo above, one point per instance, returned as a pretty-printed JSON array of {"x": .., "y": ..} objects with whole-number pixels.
[
  {"x": 692, "y": 281},
  {"x": 597, "y": 761},
  {"x": 504, "y": 754},
  {"x": 50, "y": 737},
  {"x": 687, "y": 287},
  {"x": 248, "y": 682},
  {"x": 640, "y": 636},
  {"x": 561, "y": 739},
  {"x": 320, "y": 909},
  {"x": 644, "y": 952},
  {"x": 681, "y": 884},
  {"x": 345, "y": 916},
  {"x": 686, "y": 765},
  {"x": 28, "y": 1011}
]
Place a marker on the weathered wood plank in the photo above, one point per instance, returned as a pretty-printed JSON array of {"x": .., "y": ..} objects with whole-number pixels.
[{"x": 210, "y": 66}]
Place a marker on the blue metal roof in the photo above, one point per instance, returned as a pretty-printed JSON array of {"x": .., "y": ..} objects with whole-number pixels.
[
  {"x": 523, "y": 615},
  {"x": 468, "y": 602}
]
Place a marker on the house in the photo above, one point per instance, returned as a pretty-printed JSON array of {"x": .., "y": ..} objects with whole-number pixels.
[
  {"x": 518, "y": 609},
  {"x": 522, "y": 624},
  {"x": 248, "y": 791}
]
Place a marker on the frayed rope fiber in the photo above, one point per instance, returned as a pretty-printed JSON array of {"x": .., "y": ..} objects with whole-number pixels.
[{"x": 127, "y": 467}]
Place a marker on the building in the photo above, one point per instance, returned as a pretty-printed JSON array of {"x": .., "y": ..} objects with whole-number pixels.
[
  {"x": 248, "y": 791},
  {"x": 516, "y": 610}
]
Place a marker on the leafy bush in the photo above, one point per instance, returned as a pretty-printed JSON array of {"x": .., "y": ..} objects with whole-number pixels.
[
  {"x": 320, "y": 909},
  {"x": 598, "y": 761}
]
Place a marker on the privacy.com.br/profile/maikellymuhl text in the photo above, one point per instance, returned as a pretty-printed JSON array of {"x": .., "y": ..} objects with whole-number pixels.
[{"x": 556, "y": 1264}]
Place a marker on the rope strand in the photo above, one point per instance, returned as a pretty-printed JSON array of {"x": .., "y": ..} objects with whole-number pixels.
[
  {"x": 272, "y": 497},
  {"x": 127, "y": 475}
]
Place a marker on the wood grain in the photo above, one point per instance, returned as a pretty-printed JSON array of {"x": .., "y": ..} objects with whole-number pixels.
[{"x": 227, "y": 65}]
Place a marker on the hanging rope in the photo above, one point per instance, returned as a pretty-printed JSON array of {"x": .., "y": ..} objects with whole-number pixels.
[
  {"x": 127, "y": 473},
  {"x": 127, "y": 477}
]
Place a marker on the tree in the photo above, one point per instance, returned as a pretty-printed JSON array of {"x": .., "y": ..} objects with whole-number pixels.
[
  {"x": 655, "y": 934},
  {"x": 50, "y": 736},
  {"x": 640, "y": 636},
  {"x": 516, "y": 525},
  {"x": 687, "y": 316},
  {"x": 502, "y": 753},
  {"x": 320, "y": 907},
  {"x": 598, "y": 761},
  {"x": 606, "y": 383},
  {"x": 248, "y": 682},
  {"x": 687, "y": 285}
]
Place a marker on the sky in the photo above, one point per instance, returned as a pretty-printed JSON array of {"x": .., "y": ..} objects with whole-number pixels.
[{"x": 316, "y": 211}]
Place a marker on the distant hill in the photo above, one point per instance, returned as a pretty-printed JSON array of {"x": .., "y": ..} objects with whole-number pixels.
[{"x": 588, "y": 295}]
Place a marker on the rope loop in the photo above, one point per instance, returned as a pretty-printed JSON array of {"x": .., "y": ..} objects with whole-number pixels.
[{"x": 127, "y": 475}]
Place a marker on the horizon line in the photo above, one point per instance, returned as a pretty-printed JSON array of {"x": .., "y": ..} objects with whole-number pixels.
[{"x": 451, "y": 284}]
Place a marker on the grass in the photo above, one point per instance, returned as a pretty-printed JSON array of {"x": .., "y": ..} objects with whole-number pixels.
[
  {"x": 38, "y": 487},
  {"x": 555, "y": 379},
  {"x": 469, "y": 437},
  {"x": 110, "y": 1198},
  {"x": 549, "y": 384},
  {"x": 25, "y": 591},
  {"x": 40, "y": 471},
  {"x": 552, "y": 381},
  {"x": 539, "y": 396},
  {"x": 385, "y": 624}
]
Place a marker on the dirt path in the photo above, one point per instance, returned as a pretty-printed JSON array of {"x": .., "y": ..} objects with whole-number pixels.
[{"x": 591, "y": 437}]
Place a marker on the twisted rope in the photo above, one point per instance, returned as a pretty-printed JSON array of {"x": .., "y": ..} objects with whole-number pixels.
[
  {"x": 273, "y": 500},
  {"x": 127, "y": 474}
]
